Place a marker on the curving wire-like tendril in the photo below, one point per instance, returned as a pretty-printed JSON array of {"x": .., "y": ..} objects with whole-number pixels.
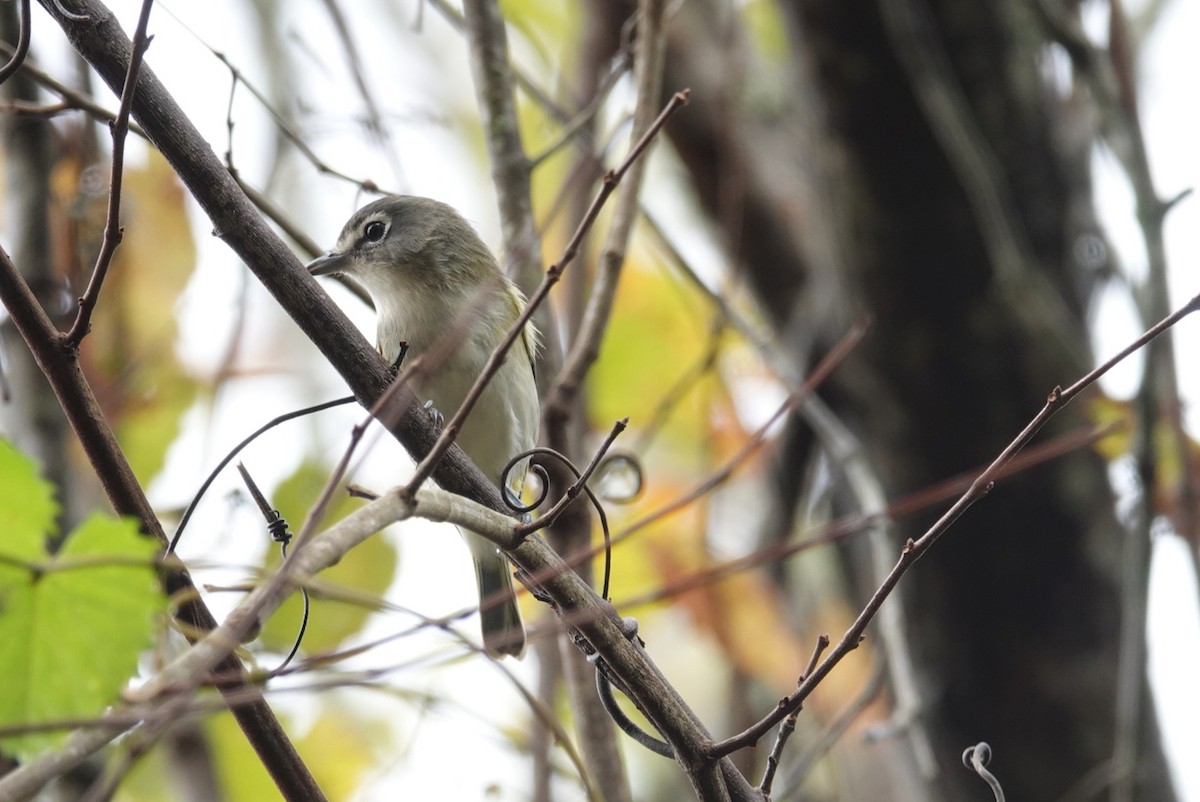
[
  {"x": 18, "y": 56},
  {"x": 627, "y": 725},
  {"x": 976, "y": 759},
  {"x": 601, "y": 464},
  {"x": 580, "y": 485},
  {"x": 277, "y": 527},
  {"x": 191, "y": 508},
  {"x": 573, "y": 491},
  {"x": 510, "y": 497}
]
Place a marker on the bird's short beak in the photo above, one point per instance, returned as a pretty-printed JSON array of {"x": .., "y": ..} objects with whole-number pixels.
[{"x": 328, "y": 264}]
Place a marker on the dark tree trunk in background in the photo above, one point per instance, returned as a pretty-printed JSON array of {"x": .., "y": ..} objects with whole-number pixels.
[
  {"x": 29, "y": 412},
  {"x": 927, "y": 173}
]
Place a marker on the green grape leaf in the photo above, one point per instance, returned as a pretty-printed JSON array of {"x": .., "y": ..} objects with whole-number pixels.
[
  {"x": 27, "y": 506},
  {"x": 73, "y": 624}
]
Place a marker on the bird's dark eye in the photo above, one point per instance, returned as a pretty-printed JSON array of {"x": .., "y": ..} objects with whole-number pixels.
[{"x": 374, "y": 231}]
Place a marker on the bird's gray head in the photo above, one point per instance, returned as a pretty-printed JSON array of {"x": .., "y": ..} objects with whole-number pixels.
[{"x": 405, "y": 240}]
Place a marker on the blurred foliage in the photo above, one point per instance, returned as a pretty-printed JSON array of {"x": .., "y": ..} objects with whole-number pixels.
[
  {"x": 767, "y": 30},
  {"x": 129, "y": 354},
  {"x": 343, "y": 744},
  {"x": 241, "y": 774},
  {"x": 339, "y": 746},
  {"x": 1121, "y": 443},
  {"x": 658, "y": 330},
  {"x": 544, "y": 24}
]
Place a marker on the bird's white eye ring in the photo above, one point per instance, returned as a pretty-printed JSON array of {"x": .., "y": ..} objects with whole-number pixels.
[{"x": 374, "y": 231}]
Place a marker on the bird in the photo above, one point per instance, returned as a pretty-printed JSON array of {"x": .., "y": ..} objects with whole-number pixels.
[{"x": 428, "y": 271}]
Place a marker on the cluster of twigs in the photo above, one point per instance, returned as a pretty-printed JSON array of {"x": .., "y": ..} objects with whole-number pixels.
[{"x": 610, "y": 642}]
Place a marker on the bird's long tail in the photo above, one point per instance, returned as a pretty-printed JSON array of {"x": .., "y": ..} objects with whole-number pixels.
[{"x": 503, "y": 633}]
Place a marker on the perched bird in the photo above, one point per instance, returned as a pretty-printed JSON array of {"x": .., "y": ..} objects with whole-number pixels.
[{"x": 427, "y": 271}]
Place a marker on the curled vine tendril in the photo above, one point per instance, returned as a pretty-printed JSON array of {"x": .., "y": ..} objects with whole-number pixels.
[
  {"x": 191, "y": 507},
  {"x": 627, "y": 725},
  {"x": 560, "y": 505},
  {"x": 277, "y": 526},
  {"x": 601, "y": 464},
  {"x": 976, "y": 759},
  {"x": 510, "y": 497},
  {"x": 22, "y": 49},
  {"x": 613, "y": 468}
]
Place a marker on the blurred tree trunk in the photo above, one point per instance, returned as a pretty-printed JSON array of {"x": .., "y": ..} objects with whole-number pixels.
[
  {"x": 923, "y": 168},
  {"x": 29, "y": 412}
]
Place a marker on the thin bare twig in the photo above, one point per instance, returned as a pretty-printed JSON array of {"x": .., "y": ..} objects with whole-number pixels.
[
  {"x": 789, "y": 724},
  {"x": 113, "y": 232},
  {"x": 814, "y": 380},
  {"x": 586, "y": 346},
  {"x": 375, "y": 122},
  {"x": 315, "y": 513},
  {"x": 850, "y": 525},
  {"x": 74, "y": 99},
  {"x": 833, "y": 733},
  {"x": 364, "y": 184},
  {"x": 23, "y": 108},
  {"x": 913, "y": 550}
]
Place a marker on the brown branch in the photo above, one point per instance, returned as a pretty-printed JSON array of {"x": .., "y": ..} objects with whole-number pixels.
[
  {"x": 789, "y": 725},
  {"x": 511, "y": 169}
]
